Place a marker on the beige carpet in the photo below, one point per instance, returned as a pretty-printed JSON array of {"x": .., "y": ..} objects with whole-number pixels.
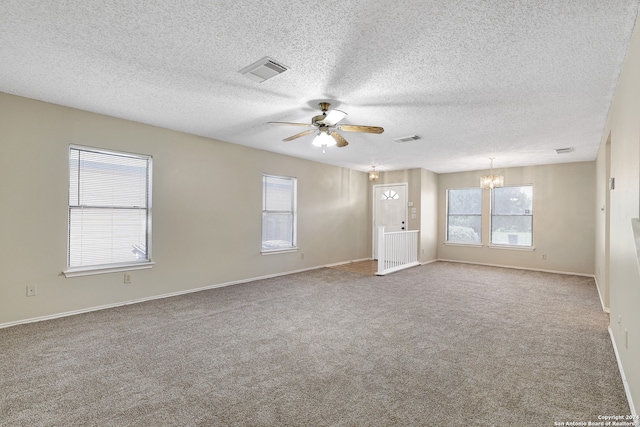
[{"x": 438, "y": 345}]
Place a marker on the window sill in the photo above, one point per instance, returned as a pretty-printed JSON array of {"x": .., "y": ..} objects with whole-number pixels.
[
  {"x": 278, "y": 251},
  {"x": 111, "y": 268},
  {"x": 468, "y": 245},
  {"x": 513, "y": 247}
]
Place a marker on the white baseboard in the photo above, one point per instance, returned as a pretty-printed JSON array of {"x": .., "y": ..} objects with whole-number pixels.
[
  {"x": 605, "y": 309},
  {"x": 518, "y": 268},
  {"x": 172, "y": 294},
  {"x": 624, "y": 378},
  {"x": 347, "y": 262}
]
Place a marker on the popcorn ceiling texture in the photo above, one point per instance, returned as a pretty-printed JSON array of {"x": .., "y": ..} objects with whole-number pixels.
[{"x": 507, "y": 79}]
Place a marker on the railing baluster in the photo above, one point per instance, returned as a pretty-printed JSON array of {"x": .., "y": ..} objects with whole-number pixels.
[
  {"x": 381, "y": 251},
  {"x": 396, "y": 250}
]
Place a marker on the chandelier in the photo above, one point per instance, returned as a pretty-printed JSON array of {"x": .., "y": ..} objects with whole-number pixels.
[
  {"x": 491, "y": 180},
  {"x": 373, "y": 174}
]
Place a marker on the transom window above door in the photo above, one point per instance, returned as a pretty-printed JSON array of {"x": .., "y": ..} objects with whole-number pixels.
[{"x": 389, "y": 195}]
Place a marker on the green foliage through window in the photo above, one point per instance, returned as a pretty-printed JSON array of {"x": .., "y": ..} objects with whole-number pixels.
[
  {"x": 512, "y": 215},
  {"x": 464, "y": 215}
]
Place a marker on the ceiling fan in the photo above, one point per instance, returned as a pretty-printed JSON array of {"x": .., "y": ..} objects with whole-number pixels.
[{"x": 326, "y": 126}]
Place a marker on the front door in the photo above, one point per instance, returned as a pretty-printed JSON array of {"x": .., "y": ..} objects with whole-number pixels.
[{"x": 389, "y": 210}]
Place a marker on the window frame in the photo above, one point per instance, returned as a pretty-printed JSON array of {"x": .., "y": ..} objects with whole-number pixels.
[
  {"x": 480, "y": 215},
  {"x": 146, "y": 263},
  {"x": 492, "y": 244},
  {"x": 293, "y": 212}
]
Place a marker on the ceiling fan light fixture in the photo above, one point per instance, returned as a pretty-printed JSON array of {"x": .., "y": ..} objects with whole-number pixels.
[{"x": 323, "y": 139}]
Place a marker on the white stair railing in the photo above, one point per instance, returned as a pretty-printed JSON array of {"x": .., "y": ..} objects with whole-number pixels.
[{"x": 396, "y": 250}]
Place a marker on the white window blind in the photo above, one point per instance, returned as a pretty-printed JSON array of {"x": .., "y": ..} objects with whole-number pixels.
[
  {"x": 109, "y": 208},
  {"x": 278, "y": 213}
]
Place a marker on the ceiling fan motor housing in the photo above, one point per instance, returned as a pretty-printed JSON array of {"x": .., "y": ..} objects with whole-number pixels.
[{"x": 324, "y": 106}]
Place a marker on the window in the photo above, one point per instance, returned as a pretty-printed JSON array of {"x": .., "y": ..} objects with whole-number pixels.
[
  {"x": 512, "y": 216},
  {"x": 389, "y": 195},
  {"x": 278, "y": 213},
  {"x": 464, "y": 215},
  {"x": 109, "y": 210}
]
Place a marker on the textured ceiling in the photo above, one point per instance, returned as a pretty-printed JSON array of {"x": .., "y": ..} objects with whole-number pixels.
[{"x": 512, "y": 80}]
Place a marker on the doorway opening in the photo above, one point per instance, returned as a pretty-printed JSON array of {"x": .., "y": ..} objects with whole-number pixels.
[{"x": 389, "y": 210}]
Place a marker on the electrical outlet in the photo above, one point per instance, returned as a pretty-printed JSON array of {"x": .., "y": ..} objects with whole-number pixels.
[
  {"x": 127, "y": 278},
  {"x": 620, "y": 322},
  {"x": 31, "y": 290},
  {"x": 301, "y": 255},
  {"x": 543, "y": 257}
]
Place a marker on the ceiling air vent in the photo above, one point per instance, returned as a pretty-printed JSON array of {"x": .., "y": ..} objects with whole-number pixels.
[
  {"x": 263, "y": 70},
  {"x": 564, "y": 150},
  {"x": 408, "y": 138}
]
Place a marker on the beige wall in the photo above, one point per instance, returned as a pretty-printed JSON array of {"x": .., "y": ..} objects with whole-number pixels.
[
  {"x": 623, "y": 131},
  {"x": 563, "y": 218},
  {"x": 429, "y": 216},
  {"x": 206, "y": 210}
]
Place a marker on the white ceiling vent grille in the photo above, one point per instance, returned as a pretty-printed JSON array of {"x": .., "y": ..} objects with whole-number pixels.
[
  {"x": 564, "y": 150},
  {"x": 263, "y": 70},
  {"x": 408, "y": 138}
]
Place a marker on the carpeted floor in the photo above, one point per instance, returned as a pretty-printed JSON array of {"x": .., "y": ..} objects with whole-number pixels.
[{"x": 438, "y": 345}]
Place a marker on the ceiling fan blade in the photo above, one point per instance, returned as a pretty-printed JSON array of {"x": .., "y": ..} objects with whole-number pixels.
[
  {"x": 340, "y": 141},
  {"x": 290, "y": 123},
  {"x": 364, "y": 129},
  {"x": 298, "y": 135},
  {"x": 333, "y": 117}
]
